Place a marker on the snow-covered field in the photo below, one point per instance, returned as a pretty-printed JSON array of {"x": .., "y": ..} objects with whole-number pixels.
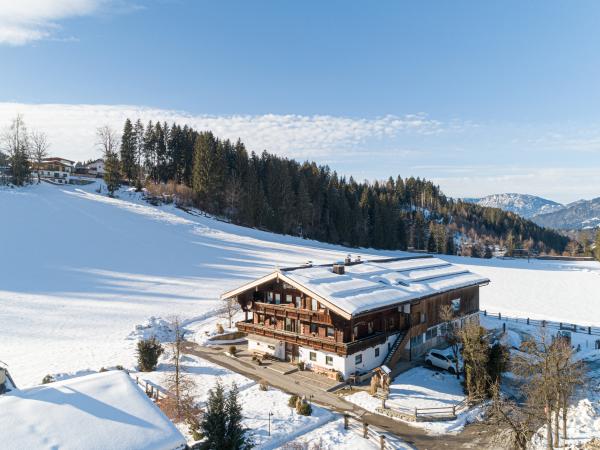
[
  {"x": 83, "y": 276},
  {"x": 78, "y": 272}
]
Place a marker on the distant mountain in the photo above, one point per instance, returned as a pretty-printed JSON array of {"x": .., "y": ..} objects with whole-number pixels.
[
  {"x": 579, "y": 215},
  {"x": 525, "y": 205}
]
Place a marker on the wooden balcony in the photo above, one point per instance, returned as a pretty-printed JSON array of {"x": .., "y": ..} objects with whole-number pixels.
[
  {"x": 325, "y": 344},
  {"x": 285, "y": 311}
]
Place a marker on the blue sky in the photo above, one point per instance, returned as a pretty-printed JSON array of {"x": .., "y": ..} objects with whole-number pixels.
[{"x": 482, "y": 97}]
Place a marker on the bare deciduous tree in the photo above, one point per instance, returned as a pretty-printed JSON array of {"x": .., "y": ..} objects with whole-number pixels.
[
  {"x": 15, "y": 142},
  {"x": 179, "y": 404},
  {"x": 39, "y": 149},
  {"x": 230, "y": 309}
]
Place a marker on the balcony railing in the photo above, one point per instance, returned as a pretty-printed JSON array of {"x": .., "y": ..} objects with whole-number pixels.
[
  {"x": 290, "y": 311},
  {"x": 330, "y": 345}
]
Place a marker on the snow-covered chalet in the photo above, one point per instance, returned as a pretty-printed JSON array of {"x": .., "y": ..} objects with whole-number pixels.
[{"x": 351, "y": 317}]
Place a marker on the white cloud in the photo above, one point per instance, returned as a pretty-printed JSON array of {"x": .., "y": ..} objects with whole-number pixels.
[
  {"x": 24, "y": 21},
  {"x": 71, "y": 128}
]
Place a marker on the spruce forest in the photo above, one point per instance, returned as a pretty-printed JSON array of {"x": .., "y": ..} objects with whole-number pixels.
[{"x": 306, "y": 199}]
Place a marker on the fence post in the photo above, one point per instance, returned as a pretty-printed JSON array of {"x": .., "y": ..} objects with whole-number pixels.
[
  {"x": 485, "y": 312},
  {"x": 365, "y": 430},
  {"x": 382, "y": 442},
  {"x": 543, "y": 324},
  {"x": 528, "y": 321},
  {"x": 146, "y": 387},
  {"x": 454, "y": 410},
  {"x": 499, "y": 316},
  {"x": 589, "y": 330},
  {"x": 560, "y": 325},
  {"x": 504, "y": 327},
  {"x": 416, "y": 414},
  {"x": 345, "y": 421}
]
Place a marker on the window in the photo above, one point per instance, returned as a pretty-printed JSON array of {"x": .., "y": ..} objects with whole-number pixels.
[
  {"x": 269, "y": 297},
  {"x": 329, "y": 360},
  {"x": 330, "y": 332},
  {"x": 358, "y": 359},
  {"x": 288, "y": 298},
  {"x": 314, "y": 328},
  {"x": 370, "y": 326},
  {"x": 314, "y": 305},
  {"x": 431, "y": 333},
  {"x": 417, "y": 340},
  {"x": 389, "y": 346},
  {"x": 376, "y": 352},
  {"x": 443, "y": 329},
  {"x": 273, "y": 321},
  {"x": 456, "y": 304},
  {"x": 391, "y": 323},
  {"x": 277, "y": 299},
  {"x": 423, "y": 317},
  {"x": 298, "y": 302},
  {"x": 312, "y": 356},
  {"x": 355, "y": 331}
]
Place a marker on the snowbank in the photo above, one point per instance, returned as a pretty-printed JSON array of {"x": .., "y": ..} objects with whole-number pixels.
[{"x": 100, "y": 411}]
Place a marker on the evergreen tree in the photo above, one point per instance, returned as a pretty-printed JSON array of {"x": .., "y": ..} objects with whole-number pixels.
[
  {"x": 138, "y": 135},
  {"x": 112, "y": 174},
  {"x": 222, "y": 421},
  {"x": 236, "y": 433},
  {"x": 128, "y": 151},
  {"x": 597, "y": 245}
]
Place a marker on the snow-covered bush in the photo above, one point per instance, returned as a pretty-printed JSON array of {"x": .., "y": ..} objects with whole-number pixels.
[
  {"x": 303, "y": 408},
  {"x": 292, "y": 401},
  {"x": 48, "y": 379}
]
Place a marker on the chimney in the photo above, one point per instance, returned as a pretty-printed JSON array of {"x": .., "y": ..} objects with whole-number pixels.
[
  {"x": 339, "y": 269},
  {"x": 348, "y": 260}
]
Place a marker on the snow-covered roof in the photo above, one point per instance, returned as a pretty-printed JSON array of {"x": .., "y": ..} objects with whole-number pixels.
[
  {"x": 375, "y": 284},
  {"x": 100, "y": 411}
]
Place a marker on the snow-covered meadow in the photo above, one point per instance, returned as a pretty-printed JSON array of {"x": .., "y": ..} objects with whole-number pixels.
[{"x": 80, "y": 270}]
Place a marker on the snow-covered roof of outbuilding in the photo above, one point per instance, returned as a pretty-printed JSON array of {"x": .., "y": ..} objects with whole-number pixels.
[
  {"x": 100, "y": 411},
  {"x": 373, "y": 284}
]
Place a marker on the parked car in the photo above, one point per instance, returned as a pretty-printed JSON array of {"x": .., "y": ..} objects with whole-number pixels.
[{"x": 441, "y": 359}]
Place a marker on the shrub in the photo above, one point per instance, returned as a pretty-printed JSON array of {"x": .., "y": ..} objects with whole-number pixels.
[
  {"x": 304, "y": 408},
  {"x": 103, "y": 369},
  {"x": 220, "y": 329},
  {"x": 232, "y": 350},
  {"x": 48, "y": 379},
  {"x": 119, "y": 367},
  {"x": 149, "y": 350},
  {"x": 300, "y": 365},
  {"x": 292, "y": 401},
  {"x": 263, "y": 385},
  {"x": 339, "y": 376}
]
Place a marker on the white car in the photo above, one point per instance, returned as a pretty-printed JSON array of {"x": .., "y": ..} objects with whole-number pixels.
[{"x": 441, "y": 359}]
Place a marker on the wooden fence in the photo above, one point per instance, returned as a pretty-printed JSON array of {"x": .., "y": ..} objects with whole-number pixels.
[
  {"x": 574, "y": 328},
  {"x": 385, "y": 441},
  {"x": 440, "y": 413},
  {"x": 150, "y": 389}
]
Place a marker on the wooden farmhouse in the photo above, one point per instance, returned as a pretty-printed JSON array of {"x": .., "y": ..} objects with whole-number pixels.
[{"x": 349, "y": 318}]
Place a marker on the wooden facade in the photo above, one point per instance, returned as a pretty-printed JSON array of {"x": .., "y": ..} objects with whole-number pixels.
[{"x": 289, "y": 314}]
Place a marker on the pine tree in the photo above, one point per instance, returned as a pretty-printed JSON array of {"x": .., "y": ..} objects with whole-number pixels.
[
  {"x": 597, "y": 245},
  {"x": 236, "y": 433},
  {"x": 138, "y": 135},
  {"x": 214, "y": 420},
  {"x": 128, "y": 151},
  {"x": 112, "y": 174}
]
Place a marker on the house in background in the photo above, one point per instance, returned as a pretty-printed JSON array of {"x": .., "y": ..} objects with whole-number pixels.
[
  {"x": 56, "y": 170},
  {"x": 101, "y": 411},
  {"x": 95, "y": 168},
  {"x": 351, "y": 317}
]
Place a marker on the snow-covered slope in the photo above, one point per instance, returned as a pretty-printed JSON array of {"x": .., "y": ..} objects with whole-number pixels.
[
  {"x": 79, "y": 270},
  {"x": 524, "y": 205}
]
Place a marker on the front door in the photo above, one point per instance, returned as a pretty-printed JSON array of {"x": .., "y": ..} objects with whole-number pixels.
[{"x": 291, "y": 352}]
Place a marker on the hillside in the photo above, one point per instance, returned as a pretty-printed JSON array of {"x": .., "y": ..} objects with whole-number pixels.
[
  {"x": 80, "y": 270},
  {"x": 525, "y": 205},
  {"x": 580, "y": 215}
]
